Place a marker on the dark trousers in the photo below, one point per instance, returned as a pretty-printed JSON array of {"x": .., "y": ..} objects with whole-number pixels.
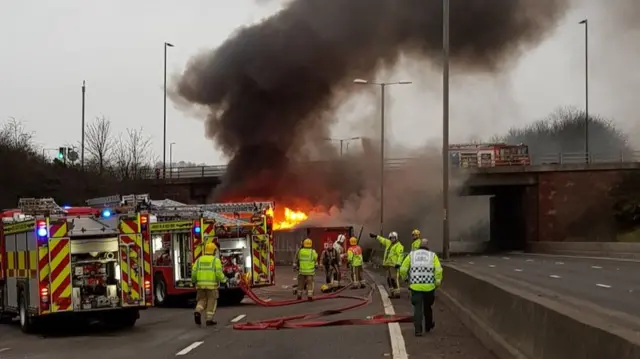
[
  {"x": 422, "y": 302},
  {"x": 331, "y": 272}
]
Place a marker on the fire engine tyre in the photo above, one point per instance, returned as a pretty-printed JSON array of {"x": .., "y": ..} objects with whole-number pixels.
[
  {"x": 159, "y": 291},
  {"x": 123, "y": 319},
  {"x": 234, "y": 296},
  {"x": 27, "y": 323}
]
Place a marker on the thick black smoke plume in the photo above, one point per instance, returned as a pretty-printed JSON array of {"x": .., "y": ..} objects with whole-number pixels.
[{"x": 272, "y": 87}]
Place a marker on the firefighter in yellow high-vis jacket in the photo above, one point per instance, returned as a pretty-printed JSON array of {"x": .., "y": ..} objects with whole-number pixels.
[
  {"x": 207, "y": 275},
  {"x": 391, "y": 261}
]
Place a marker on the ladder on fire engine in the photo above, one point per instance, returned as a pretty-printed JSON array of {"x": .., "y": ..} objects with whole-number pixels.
[
  {"x": 132, "y": 200},
  {"x": 39, "y": 206}
]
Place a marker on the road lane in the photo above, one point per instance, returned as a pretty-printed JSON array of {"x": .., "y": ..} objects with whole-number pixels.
[
  {"x": 610, "y": 284},
  {"x": 170, "y": 333}
]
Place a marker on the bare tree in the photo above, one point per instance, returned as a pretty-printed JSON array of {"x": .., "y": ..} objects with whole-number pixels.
[
  {"x": 132, "y": 155},
  {"x": 99, "y": 143},
  {"x": 13, "y": 135}
]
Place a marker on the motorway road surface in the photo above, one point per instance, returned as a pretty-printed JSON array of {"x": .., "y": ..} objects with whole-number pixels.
[
  {"x": 612, "y": 284},
  {"x": 170, "y": 333}
]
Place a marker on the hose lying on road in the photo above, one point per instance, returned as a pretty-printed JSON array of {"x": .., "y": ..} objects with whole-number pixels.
[{"x": 286, "y": 322}]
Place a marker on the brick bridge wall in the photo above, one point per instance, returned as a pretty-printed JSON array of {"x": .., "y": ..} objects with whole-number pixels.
[{"x": 575, "y": 206}]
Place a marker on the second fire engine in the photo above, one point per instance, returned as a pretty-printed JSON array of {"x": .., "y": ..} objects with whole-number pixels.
[{"x": 93, "y": 264}]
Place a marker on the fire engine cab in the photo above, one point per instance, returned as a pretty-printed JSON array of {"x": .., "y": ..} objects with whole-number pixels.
[
  {"x": 178, "y": 232},
  {"x": 488, "y": 155},
  {"x": 94, "y": 264}
]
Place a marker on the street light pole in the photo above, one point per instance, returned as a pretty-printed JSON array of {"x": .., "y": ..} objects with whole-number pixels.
[
  {"x": 171, "y": 159},
  {"x": 586, "y": 88},
  {"x": 342, "y": 142},
  {"x": 83, "y": 128},
  {"x": 164, "y": 136},
  {"x": 382, "y": 85},
  {"x": 445, "y": 129}
]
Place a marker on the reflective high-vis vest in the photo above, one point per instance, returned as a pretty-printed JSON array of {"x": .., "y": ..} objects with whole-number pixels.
[
  {"x": 307, "y": 259},
  {"x": 424, "y": 270},
  {"x": 354, "y": 256},
  {"x": 393, "y": 252},
  {"x": 207, "y": 272},
  {"x": 416, "y": 244}
]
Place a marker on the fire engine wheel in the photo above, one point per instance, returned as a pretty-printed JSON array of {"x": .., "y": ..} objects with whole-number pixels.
[
  {"x": 234, "y": 296},
  {"x": 27, "y": 324},
  {"x": 160, "y": 291}
]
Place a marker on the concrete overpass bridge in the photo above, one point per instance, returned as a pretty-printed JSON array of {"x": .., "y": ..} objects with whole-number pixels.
[{"x": 557, "y": 198}]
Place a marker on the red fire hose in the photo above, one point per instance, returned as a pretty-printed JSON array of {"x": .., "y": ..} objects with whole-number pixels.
[{"x": 286, "y": 322}]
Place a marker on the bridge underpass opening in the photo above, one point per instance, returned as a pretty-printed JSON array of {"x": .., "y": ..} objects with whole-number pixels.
[
  {"x": 507, "y": 216},
  {"x": 507, "y": 219}
]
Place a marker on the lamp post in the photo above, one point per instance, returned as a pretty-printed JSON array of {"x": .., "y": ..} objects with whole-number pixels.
[
  {"x": 382, "y": 85},
  {"x": 342, "y": 141},
  {"x": 171, "y": 159},
  {"x": 586, "y": 88},
  {"x": 83, "y": 127},
  {"x": 445, "y": 129},
  {"x": 164, "y": 136}
]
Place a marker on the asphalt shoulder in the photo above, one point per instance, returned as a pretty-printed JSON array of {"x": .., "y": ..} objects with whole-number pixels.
[{"x": 450, "y": 339}]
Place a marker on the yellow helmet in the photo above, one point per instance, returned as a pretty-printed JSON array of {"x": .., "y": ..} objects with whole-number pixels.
[
  {"x": 307, "y": 243},
  {"x": 415, "y": 233},
  {"x": 353, "y": 241},
  {"x": 210, "y": 248}
]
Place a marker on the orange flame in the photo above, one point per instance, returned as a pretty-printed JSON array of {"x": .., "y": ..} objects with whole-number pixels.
[{"x": 291, "y": 219}]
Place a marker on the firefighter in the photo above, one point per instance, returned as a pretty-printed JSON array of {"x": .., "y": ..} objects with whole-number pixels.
[
  {"x": 306, "y": 264},
  {"x": 422, "y": 267},
  {"x": 354, "y": 259},
  {"x": 330, "y": 261},
  {"x": 415, "y": 234},
  {"x": 207, "y": 275},
  {"x": 393, "y": 255}
]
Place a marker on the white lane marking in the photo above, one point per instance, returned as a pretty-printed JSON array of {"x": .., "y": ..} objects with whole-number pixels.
[
  {"x": 238, "y": 318},
  {"x": 505, "y": 258},
  {"x": 186, "y": 350},
  {"x": 491, "y": 266},
  {"x": 554, "y": 276},
  {"x": 398, "y": 348},
  {"x": 471, "y": 263},
  {"x": 267, "y": 300},
  {"x": 518, "y": 270},
  {"x": 4, "y": 349},
  {"x": 529, "y": 260},
  {"x": 603, "y": 285},
  {"x": 596, "y": 267},
  {"x": 560, "y": 263}
]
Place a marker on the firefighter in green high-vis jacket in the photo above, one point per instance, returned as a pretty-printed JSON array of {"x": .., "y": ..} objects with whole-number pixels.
[
  {"x": 207, "y": 275},
  {"x": 393, "y": 256},
  {"x": 306, "y": 263}
]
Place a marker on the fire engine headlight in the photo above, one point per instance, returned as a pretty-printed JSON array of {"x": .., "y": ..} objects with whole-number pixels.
[
  {"x": 247, "y": 262},
  {"x": 116, "y": 275}
]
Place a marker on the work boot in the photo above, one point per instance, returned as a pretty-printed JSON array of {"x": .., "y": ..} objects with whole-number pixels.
[
  {"x": 211, "y": 322},
  {"x": 431, "y": 327},
  {"x": 310, "y": 298},
  {"x": 299, "y": 297},
  {"x": 197, "y": 317},
  {"x": 418, "y": 333}
]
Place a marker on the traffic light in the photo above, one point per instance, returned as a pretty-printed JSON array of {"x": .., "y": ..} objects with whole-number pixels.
[{"x": 61, "y": 153}]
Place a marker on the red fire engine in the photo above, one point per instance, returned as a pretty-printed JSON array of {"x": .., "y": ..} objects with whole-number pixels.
[
  {"x": 488, "y": 155},
  {"x": 178, "y": 232},
  {"x": 90, "y": 264}
]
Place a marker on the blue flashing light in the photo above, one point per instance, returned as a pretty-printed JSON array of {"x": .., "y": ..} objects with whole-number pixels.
[
  {"x": 42, "y": 232},
  {"x": 66, "y": 207},
  {"x": 106, "y": 213},
  {"x": 197, "y": 229}
]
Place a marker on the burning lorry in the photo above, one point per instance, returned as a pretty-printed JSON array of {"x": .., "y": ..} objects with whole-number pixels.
[
  {"x": 242, "y": 231},
  {"x": 87, "y": 263}
]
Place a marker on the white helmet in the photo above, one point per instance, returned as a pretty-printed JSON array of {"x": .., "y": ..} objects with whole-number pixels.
[
  {"x": 341, "y": 238},
  {"x": 393, "y": 235}
]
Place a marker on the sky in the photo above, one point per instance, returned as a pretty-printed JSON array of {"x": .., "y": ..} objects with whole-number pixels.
[{"x": 50, "y": 48}]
